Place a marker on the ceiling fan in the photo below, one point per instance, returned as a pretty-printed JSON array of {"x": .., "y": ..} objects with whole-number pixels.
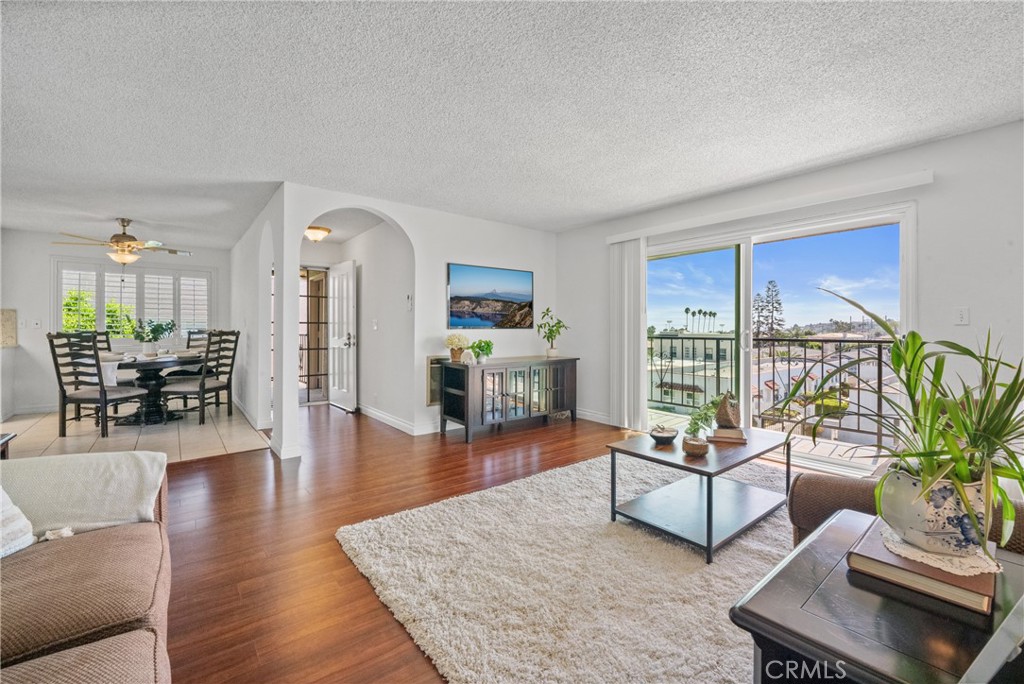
[{"x": 126, "y": 247}]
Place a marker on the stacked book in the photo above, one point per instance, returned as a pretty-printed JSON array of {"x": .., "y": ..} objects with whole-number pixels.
[
  {"x": 870, "y": 557},
  {"x": 728, "y": 436}
]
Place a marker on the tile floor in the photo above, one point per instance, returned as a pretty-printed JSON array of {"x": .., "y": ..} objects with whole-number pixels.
[{"x": 181, "y": 440}]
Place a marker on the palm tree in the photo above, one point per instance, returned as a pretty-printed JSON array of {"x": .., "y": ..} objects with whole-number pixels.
[
  {"x": 699, "y": 313},
  {"x": 714, "y": 315},
  {"x": 687, "y": 311}
]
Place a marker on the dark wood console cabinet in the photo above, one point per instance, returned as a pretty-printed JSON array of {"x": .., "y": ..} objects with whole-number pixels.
[{"x": 500, "y": 391}]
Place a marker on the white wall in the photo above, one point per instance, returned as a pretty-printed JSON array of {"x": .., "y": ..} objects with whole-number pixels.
[
  {"x": 970, "y": 243},
  {"x": 385, "y": 276},
  {"x": 29, "y": 286},
  {"x": 7, "y": 382},
  {"x": 252, "y": 259}
]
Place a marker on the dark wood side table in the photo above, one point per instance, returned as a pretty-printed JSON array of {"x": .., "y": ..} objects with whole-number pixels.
[
  {"x": 5, "y": 439},
  {"x": 693, "y": 509},
  {"x": 811, "y": 621}
]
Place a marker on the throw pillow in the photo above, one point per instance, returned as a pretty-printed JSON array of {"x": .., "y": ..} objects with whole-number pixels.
[{"x": 17, "y": 530}]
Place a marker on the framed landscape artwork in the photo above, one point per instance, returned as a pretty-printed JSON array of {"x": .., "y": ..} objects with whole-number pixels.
[{"x": 484, "y": 297}]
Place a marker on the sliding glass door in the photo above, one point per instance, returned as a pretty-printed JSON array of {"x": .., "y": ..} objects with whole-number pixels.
[
  {"x": 695, "y": 323},
  {"x": 751, "y": 309}
]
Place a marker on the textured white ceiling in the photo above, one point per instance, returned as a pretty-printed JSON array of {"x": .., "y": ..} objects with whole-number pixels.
[{"x": 547, "y": 115}]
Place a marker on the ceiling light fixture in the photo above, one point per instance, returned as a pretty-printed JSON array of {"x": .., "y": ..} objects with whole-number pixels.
[
  {"x": 317, "y": 233},
  {"x": 123, "y": 257}
]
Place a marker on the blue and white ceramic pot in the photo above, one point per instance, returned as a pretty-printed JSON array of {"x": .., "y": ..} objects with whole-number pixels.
[{"x": 937, "y": 522}]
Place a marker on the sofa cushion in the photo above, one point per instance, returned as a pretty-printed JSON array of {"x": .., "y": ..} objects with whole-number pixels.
[
  {"x": 72, "y": 591},
  {"x": 137, "y": 657}
]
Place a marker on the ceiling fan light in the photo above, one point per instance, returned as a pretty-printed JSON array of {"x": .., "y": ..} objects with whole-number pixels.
[
  {"x": 317, "y": 233},
  {"x": 123, "y": 258}
]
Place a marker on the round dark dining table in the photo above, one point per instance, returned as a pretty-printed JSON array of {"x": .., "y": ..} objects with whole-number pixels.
[{"x": 149, "y": 377}]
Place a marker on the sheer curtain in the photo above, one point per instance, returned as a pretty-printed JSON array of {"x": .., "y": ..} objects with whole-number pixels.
[{"x": 628, "y": 349}]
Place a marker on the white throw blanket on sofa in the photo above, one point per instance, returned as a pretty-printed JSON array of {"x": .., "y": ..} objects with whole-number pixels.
[{"x": 85, "y": 491}]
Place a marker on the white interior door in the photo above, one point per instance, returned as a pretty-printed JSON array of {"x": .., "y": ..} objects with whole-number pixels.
[{"x": 342, "y": 375}]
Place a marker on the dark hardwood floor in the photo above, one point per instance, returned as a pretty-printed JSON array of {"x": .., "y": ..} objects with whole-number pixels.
[{"x": 262, "y": 592}]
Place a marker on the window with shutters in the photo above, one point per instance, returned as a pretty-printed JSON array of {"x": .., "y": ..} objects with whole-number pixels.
[
  {"x": 194, "y": 297},
  {"x": 78, "y": 300},
  {"x": 97, "y": 296},
  {"x": 119, "y": 304},
  {"x": 158, "y": 300}
]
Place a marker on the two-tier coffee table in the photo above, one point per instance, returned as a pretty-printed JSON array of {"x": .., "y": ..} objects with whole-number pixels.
[{"x": 705, "y": 512}]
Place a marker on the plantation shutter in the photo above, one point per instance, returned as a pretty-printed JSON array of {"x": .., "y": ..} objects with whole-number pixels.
[
  {"x": 158, "y": 298},
  {"x": 78, "y": 300},
  {"x": 194, "y": 298},
  {"x": 119, "y": 305}
]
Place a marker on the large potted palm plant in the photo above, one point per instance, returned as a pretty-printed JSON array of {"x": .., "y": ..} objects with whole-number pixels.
[{"x": 956, "y": 442}]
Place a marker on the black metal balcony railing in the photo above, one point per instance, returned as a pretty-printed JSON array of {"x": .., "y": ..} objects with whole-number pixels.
[{"x": 686, "y": 371}]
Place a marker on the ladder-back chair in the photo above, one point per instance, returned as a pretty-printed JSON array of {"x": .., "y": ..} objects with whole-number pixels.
[
  {"x": 76, "y": 360},
  {"x": 218, "y": 366}
]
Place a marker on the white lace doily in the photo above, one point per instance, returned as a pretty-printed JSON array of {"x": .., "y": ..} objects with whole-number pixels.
[{"x": 977, "y": 564}]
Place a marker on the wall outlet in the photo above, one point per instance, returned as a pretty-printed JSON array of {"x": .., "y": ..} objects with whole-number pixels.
[
  {"x": 35, "y": 325},
  {"x": 961, "y": 315}
]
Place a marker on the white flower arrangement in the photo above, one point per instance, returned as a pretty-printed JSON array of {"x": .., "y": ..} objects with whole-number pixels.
[{"x": 456, "y": 341}]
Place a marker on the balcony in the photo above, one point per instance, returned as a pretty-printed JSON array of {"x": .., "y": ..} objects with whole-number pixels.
[{"x": 685, "y": 371}]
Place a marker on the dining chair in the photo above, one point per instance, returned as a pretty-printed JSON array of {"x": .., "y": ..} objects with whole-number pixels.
[
  {"x": 218, "y": 364},
  {"x": 196, "y": 338},
  {"x": 76, "y": 360}
]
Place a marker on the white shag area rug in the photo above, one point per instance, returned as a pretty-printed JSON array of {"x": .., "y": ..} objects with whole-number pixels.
[{"x": 532, "y": 582}]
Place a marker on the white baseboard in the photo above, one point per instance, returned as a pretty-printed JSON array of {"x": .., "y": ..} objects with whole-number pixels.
[
  {"x": 388, "y": 419},
  {"x": 285, "y": 452},
  {"x": 594, "y": 416},
  {"x": 23, "y": 409},
  {"x": 248, "y": 417}
]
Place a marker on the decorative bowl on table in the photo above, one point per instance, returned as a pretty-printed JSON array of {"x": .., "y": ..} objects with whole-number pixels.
[{"x": 663, "y": 436}]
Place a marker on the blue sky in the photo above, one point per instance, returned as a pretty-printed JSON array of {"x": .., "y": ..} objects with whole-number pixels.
[
  {"x": 860, "y": 264},
  {"x": 473, "y": 280}
]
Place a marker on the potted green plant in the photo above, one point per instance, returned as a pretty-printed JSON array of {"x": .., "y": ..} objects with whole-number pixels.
[
  {"x": 482, "y": 348},
  {"x": 953, "y": 440},
  {"x": 456, "y": 343},
  {"x": 550, "y": 328},
  {"x": 701, "y": 420},
  {"x": 149, "y": 332}
]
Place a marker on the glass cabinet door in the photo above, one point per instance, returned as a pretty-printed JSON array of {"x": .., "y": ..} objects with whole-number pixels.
[
  {"x": 539, "y": 387},
  {"x": 494, "y": 396},
  {"x": 556, "y": 386},
  {"x": 517, "y": 393}
]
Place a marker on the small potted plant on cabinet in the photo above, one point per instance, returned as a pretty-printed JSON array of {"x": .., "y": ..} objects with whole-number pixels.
[
  {"x": 482, "y": 349},
  {"x": 457, "y": 343},
  {"x": 550, "y": 328}
]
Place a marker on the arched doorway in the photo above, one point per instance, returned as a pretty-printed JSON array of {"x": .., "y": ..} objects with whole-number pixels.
[{"x": 381, "y": 257}]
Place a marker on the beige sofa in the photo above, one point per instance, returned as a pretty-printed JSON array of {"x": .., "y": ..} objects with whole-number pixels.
[{"x": 90, "y": 607}]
